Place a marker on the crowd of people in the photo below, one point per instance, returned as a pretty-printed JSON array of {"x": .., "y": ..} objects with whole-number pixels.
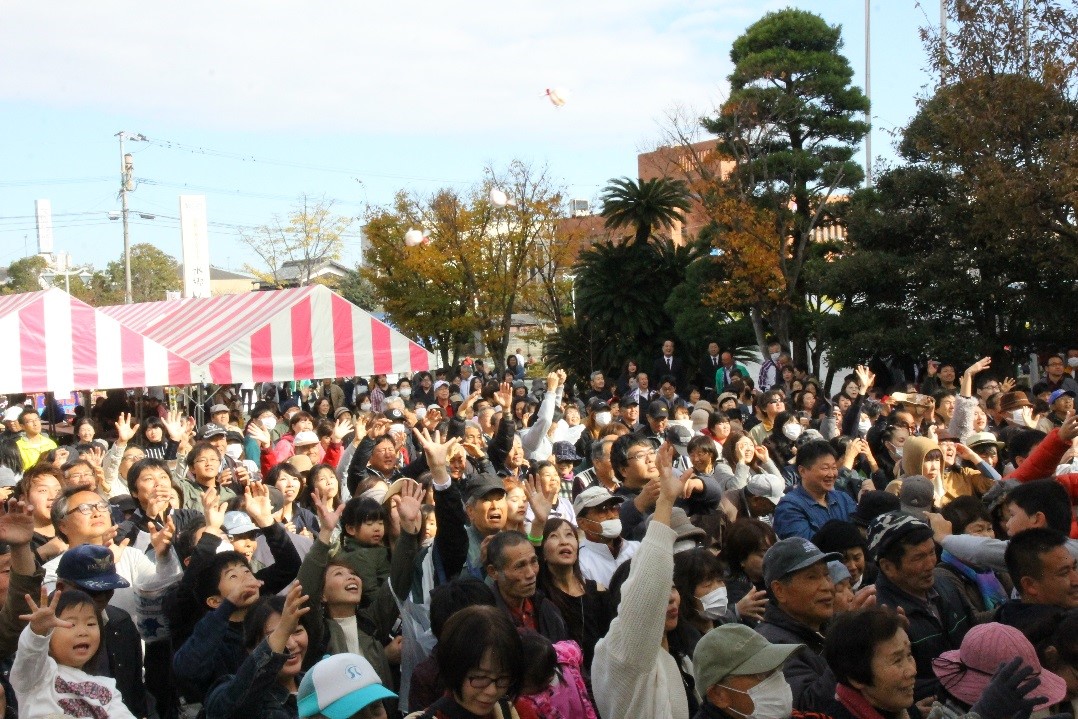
[{"x": 683, "y": 541}]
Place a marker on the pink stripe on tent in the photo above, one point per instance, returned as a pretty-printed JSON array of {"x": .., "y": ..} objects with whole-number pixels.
[
  {"x": 33, "y": 346},
  {"x": 221, "y": 369},
  {"x": 419, "y": 358},
  {"x": 132, "y": 357},
  {"x": 84, "y": 345},
  {"x": 262, "y": 355},
  {"x": 179, "y": 369},
  {"x": 381, "y": 347},
  {"x": 302, "y": 351},
  {"x": 343, "y": 354}
]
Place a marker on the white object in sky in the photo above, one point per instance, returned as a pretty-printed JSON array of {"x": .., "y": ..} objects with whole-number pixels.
[
  {"x": 499, "y": 199},
  {"x": 415, "y": 237},
  {"x": 557, "y": 96}
]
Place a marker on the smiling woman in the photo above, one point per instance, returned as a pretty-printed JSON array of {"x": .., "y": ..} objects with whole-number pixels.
[{"x": 870, "y": 654}]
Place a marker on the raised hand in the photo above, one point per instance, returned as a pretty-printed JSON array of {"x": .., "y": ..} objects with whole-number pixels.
[
  {"x": 690, "y": 484},
  {"x": 865, "y": 378},
  {"x": 42, "y": 617},
  {"x": 504, "y": 396},
  {"x": 561, "y": 377},
  {"x": 327, "y": 518},
  {"x": 259, "y": 434},
  {"x": 1007, "y": 695},
  {"x": 669, "y": 483},
  {"x": 213, "y": 510},
  {"x": 864, "y": 598},
  {"x": 761, "y": 453},
  {"x": 979, "y": 366},
  {"x": 410, "y": 506},
  {"x": 341, "y": 428},
  {"x": 295, "y": 606},
  {"x": 124, "y": 431},
  {"x": 1069, "y": 430},
  {"x": 175, "y": 425},
  {"x": 257, "y": 504},
  {"x": 1007, "y": 385},
  {"x": 16, "y": 522},
  {"x": 161, "y": 539},
  {"x": 552, "y": 380},
  {"x": 473, "y": 450},
  {"x": 966, "y": 453},
  {"x": 434, "y": 448},
  {"x": 538, "y": 501},
  {"x": 378, "y": 427}
]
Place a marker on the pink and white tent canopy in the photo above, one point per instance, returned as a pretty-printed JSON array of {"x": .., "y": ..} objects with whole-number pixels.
[
  {"x": 302, "y": 333},
  {"x": 56, "y": 343}
]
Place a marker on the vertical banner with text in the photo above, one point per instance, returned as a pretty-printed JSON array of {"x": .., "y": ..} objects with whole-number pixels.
[{"x": 196, "y": 247}]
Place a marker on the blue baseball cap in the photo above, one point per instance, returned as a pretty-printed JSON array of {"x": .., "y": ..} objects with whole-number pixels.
[
  {"x": 340, "y": 685},
  {"x": 90, "y": 567}
]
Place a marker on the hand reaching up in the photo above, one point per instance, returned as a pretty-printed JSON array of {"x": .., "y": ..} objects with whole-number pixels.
[{"x": 42, "y": 617}]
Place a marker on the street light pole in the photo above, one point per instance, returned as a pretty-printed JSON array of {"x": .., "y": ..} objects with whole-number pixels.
[
  {"x": 868, "y": 93},
  {"x": 127, "y": 184}
]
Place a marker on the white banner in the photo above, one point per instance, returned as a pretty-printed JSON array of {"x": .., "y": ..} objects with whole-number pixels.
[
  {"x": 43, "y": 209},
  {"x": 196, "y": 247}
]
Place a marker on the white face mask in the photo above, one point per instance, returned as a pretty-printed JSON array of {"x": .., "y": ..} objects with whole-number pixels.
[
  {"x": 774, "y": 356},
  {"x": 268, "y": 422},
  {"x": 611, "y": 528},
  {"x": 235, "y": 451},
  {"x": 771, "y": 699},
  {"x": 792, "y": 430},
  {"x": 365, "y": 407},
  {"x": 897, "y": 451},
  {"x": 714, "y": 604},
  {"x": 603, "y": 418},
  {"x": 864, "y": 426},
  {"x": 406, "y": 392},
  {"x": 1017, "y": 416},
  {"x": 394, "y": 393},
  {"x": 420, "y": 412},
  {"x": 1072, "y": 361}
]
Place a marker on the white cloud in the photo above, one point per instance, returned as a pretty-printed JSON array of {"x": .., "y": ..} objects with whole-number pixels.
[{"x": 424, "y": 67}]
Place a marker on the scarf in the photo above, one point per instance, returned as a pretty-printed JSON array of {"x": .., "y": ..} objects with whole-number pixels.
[
  {"x": 855, "y": 702},
  {"x": 992, "y": 592}
]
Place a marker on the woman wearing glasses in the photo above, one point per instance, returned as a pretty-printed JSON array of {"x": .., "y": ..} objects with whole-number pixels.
[{"x": 481, "y": 659}]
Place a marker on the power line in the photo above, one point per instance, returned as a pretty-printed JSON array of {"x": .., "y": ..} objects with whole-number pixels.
[
  {"x": 197, "y": 150},
  {"x": 56, "y": 181},
  {"x": 236, "y": 193}
]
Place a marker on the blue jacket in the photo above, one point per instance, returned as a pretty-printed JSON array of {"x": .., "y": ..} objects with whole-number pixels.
[
  {"x": 253, "y": 692},
  {"x": 799, "y": 515}
]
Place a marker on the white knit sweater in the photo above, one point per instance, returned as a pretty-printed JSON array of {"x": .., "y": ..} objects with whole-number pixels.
[{"x": 632, "y": 675}]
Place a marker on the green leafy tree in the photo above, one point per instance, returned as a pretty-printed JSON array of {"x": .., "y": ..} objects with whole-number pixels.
[
  {"x": 23, "y": 275},
  {"x": 153, "y": 273},
  {"x": 790, "y": 125},
  {"x": 358, "y": 290},
  {"x": 644, "y": 206}
]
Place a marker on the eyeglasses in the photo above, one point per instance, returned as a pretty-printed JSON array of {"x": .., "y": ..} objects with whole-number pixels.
[
  {"x": 88, "y": 508},
  {"x": 481, "y": 681},
  {"x": 649, "y": 454}
]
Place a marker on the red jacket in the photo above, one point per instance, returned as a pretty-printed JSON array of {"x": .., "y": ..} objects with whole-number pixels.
[
  {"x": 1042, "y": 462},
  {"x": 332, "y": 457}
]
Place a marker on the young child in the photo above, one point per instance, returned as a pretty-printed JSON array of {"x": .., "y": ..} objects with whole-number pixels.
[
  {"x": 62, "y": 637},
  {"x": 363, "y": 543},
  {"x": 429, "y": 524},
  {"x": 553, "y": 683}
]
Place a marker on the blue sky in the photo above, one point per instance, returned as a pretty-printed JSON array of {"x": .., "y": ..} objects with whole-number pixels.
[{"x": 356, "y": 101}]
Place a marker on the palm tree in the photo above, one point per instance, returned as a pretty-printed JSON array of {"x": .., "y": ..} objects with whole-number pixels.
[{"x": 645, "y": 205}]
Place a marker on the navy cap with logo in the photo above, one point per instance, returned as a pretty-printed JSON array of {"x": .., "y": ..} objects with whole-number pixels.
[
  {"x": 395, "y": 415},
  {"x": 90, "y": 567}
]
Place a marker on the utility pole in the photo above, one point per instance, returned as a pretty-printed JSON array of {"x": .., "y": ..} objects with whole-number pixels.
[
  {"x": 127, "y": 184},
  {"x": 868, "y": 93}
]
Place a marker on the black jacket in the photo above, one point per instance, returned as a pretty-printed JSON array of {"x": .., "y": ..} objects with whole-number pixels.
[
  {"x": 123, "y": 646},
  {"x": 936, "y": 626},
  {"x": 806, "y": 671},
  {"x": 548, "y": 620}
]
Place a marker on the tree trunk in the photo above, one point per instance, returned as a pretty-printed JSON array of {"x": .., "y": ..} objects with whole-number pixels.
[{"x": 758, "y": 330}]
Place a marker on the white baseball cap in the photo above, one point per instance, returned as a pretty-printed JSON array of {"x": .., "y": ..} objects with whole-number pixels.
[{"x": 339, "y": 686}]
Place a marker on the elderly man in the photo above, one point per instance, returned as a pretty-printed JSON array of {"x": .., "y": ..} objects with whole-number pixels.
[
  {"x": 732, "y": 664},
  {"x": 802, "y": 602},
  {"x": 514, "y": 568},
  {"x": 602, "y": 550}
]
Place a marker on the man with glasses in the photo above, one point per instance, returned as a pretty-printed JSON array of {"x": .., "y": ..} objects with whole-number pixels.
[
  {"x": 633, "y": 459},
  {"x": 81, "y": 516},
  {"x": 1055, "y": 378}
]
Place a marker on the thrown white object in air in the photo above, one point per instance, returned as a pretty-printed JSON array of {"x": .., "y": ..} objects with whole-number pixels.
[
  {"x": 414, "y": 237},
  {"x": 557, "y": 96},
  {"x": 499, "y": 199}
]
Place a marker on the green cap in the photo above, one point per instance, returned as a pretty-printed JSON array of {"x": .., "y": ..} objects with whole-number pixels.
[{"x": 735, "y": 650}]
